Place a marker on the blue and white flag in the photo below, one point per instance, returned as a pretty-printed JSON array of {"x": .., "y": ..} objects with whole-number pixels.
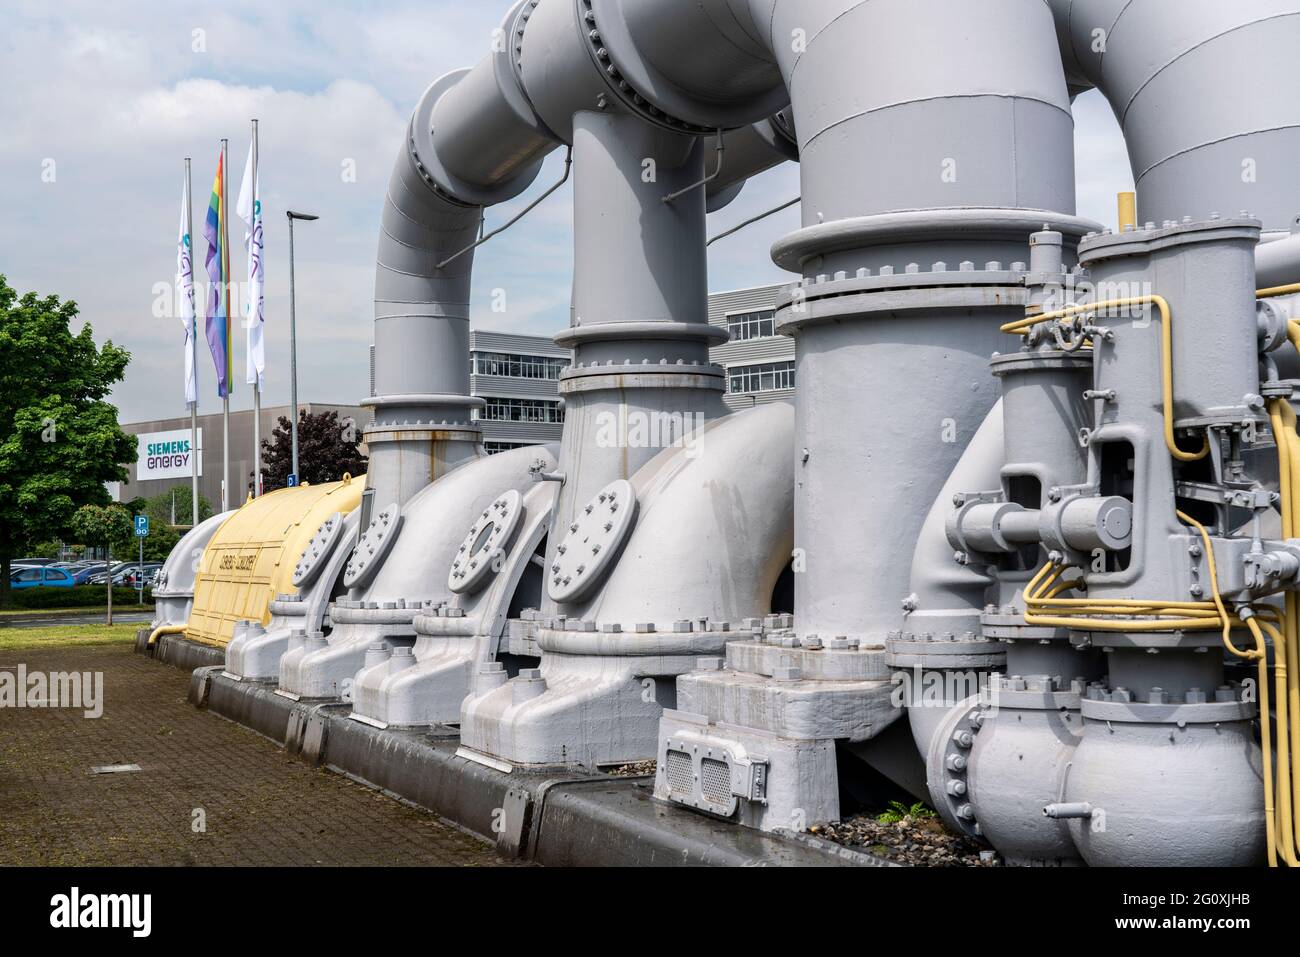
[
  {"x": 185, "y": 293},
  {"x": 249, "y": 209}
]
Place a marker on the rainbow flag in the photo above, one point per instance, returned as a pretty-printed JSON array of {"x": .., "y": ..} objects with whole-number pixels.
[{"x": 218, "y": 265}]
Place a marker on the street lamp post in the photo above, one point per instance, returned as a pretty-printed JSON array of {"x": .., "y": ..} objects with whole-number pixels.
[{"x": 293, "y": 343}]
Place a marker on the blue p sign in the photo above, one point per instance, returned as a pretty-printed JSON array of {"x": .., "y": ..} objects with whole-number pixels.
[
  {"x": 141, "y": 526},
  {"x": 292, "y": 480}
]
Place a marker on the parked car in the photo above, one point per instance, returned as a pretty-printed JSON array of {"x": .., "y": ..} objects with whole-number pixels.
[
  {"x": 99, "y": 575},
  {"x": 41, "y": 576},
  {"x": 82, "y": 576},
  {"x": 33, "y": 561},
  {"x": 134, "y": 573}
]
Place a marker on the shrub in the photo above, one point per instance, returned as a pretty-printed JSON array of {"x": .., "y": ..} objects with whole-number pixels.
[{"x": 79, "y": 596}]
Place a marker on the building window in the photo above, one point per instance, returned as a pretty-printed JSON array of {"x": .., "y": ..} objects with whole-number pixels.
[
  {"x": 762, "y": 377},
  {"x": 751, "y": 325},
  {"x": 515, "y": 366},
  {"x": 500, "y": 409},
  {"x": 492, "y": 448}
]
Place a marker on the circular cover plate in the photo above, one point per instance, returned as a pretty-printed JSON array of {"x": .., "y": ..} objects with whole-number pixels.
[
  {"x": 475, "y": 562},
  {"x": 373, "y": 545},
  {"x": 583, "y": 556},
  {"x": 318, "y": 550}
]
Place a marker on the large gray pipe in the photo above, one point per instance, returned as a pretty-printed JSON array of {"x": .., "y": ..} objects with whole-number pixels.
[
  {"x": 1203, "y": 92},
  {"x": 473, "y": 140},
  {"x": 973, "y": 106},
  {"x": 1278, "y": 263}
]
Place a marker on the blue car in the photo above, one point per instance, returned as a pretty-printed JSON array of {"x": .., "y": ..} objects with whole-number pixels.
[
  {"x": 41, "y": 576},
  {"x": 81, "y": 576}
]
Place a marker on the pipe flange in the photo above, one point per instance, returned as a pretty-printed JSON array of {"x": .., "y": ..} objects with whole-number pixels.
[
  {"x": 838, "y": 297},
  {"x": 318, "y": 550},
  {"x": 509, "y": 68},
  {"x": 584, "y": 555},
  {"x": 947, "y": 763},
  {"x": 947, "y": 650},
  {"x": 480, "y": 555},
  {"x": 629, "y": 90},
  {"x": 1116, "y": 707},
  {"x": 1038, "y": 360},
  {"x": 576, "y": 336},
  {"x": 424, "y": 154},
  {"x": 1009, "y": 625},
  {"x": 1134, "y": 242},
  {"x": 372, "y": 546},
  {"x": 1153, "y": 641},
  {"x": 901, "y": 227},
  {"x": 596, "y": 378},
  {"x": 1033, "y": 693},
  {"x": 603, "y": 641}
]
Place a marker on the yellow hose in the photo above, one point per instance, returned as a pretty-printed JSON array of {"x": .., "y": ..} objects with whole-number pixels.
[{"x": 1019, "y": 326}]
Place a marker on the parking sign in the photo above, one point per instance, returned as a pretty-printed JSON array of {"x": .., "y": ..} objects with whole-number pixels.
[{"x": 141, "y": 526}]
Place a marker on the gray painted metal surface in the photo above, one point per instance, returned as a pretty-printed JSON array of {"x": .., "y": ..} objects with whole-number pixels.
[{"x": 911, "y": 507}]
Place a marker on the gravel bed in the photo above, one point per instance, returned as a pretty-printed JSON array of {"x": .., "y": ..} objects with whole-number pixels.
[{"x": 914, "y": 841}]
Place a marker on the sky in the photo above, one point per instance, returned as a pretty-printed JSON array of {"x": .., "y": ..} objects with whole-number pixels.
[{"x": 100, "y": 104}]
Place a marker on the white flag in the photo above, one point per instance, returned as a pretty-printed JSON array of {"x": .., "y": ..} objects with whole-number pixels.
[
  {"x": 185, "y": 292},
  {"x": 249, "y": 209}
]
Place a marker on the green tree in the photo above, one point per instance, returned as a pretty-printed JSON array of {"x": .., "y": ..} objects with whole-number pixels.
[
  {"x": 163, "y": 536},
  {"x": 103, "y": 525},
  {"x": 59, "y": 439},
  {"x": 327, "y": 447}
]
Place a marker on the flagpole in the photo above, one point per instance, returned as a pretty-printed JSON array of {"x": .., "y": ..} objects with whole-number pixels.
[
  {"x": 194, "y": 356},
  {"x": 225, "y": 297},
  {"x": 257, "y": 386}
]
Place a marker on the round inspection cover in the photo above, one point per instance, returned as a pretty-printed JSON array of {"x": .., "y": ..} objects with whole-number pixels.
[
  {"x": 583, "y": 557},
  {"x": 475, "y": 562},
  {"x": 318, "y": 550},
  {"x": 372, "y": 547}
]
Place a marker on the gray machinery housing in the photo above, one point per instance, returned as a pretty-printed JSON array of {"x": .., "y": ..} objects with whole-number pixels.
[{"x": 1016, "y": 586}]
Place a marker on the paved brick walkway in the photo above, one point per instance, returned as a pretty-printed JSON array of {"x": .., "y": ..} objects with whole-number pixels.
[{"x": 261, "y": 806}]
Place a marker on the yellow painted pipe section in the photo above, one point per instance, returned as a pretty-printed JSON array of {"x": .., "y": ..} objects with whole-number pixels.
[
  {"x": 251, "y": 557},
  {"x": 164, "y": 630},
  {"x": 1272, "y": 291},
  {"x": 1128, "y": 210}
]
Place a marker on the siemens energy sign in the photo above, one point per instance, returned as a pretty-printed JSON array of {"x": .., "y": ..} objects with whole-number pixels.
[{"x": 167, "y": 455}]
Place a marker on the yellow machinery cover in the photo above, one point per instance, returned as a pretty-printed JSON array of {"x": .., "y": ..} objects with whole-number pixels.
[{"x": 251, "y": 557}]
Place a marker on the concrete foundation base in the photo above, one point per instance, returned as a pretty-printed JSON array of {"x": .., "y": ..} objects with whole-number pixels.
[
  {"x": 555, "y": 816},
  {"x": 179, "y": 651}
]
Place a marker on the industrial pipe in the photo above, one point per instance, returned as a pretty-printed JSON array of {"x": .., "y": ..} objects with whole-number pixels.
[{"x": 1204, "y": 133}]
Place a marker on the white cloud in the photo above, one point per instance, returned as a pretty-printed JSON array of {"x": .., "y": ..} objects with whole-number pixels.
[{"x": 116, "y": 96}]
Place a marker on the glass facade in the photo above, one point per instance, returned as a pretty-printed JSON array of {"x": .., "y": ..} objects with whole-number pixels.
[
  {"x": 752, "y": 325},
  {"x": 761, "y": 377},
  {"x": 500, "y": 409},
  {"x": 518, "y": 366}
]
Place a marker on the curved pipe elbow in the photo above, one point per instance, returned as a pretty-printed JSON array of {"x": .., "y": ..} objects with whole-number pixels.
[
  {"x": 947, "y": 596},
  {"x": 1204, "y": 133}
]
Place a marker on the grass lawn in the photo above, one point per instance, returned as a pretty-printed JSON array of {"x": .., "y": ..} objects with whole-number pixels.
[
  {"x": 56, "y": 612},
  {"x": 13, "y": 639}
]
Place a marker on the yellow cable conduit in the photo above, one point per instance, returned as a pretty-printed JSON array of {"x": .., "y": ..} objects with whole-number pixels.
[{"x": 1044, "y": 607}]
